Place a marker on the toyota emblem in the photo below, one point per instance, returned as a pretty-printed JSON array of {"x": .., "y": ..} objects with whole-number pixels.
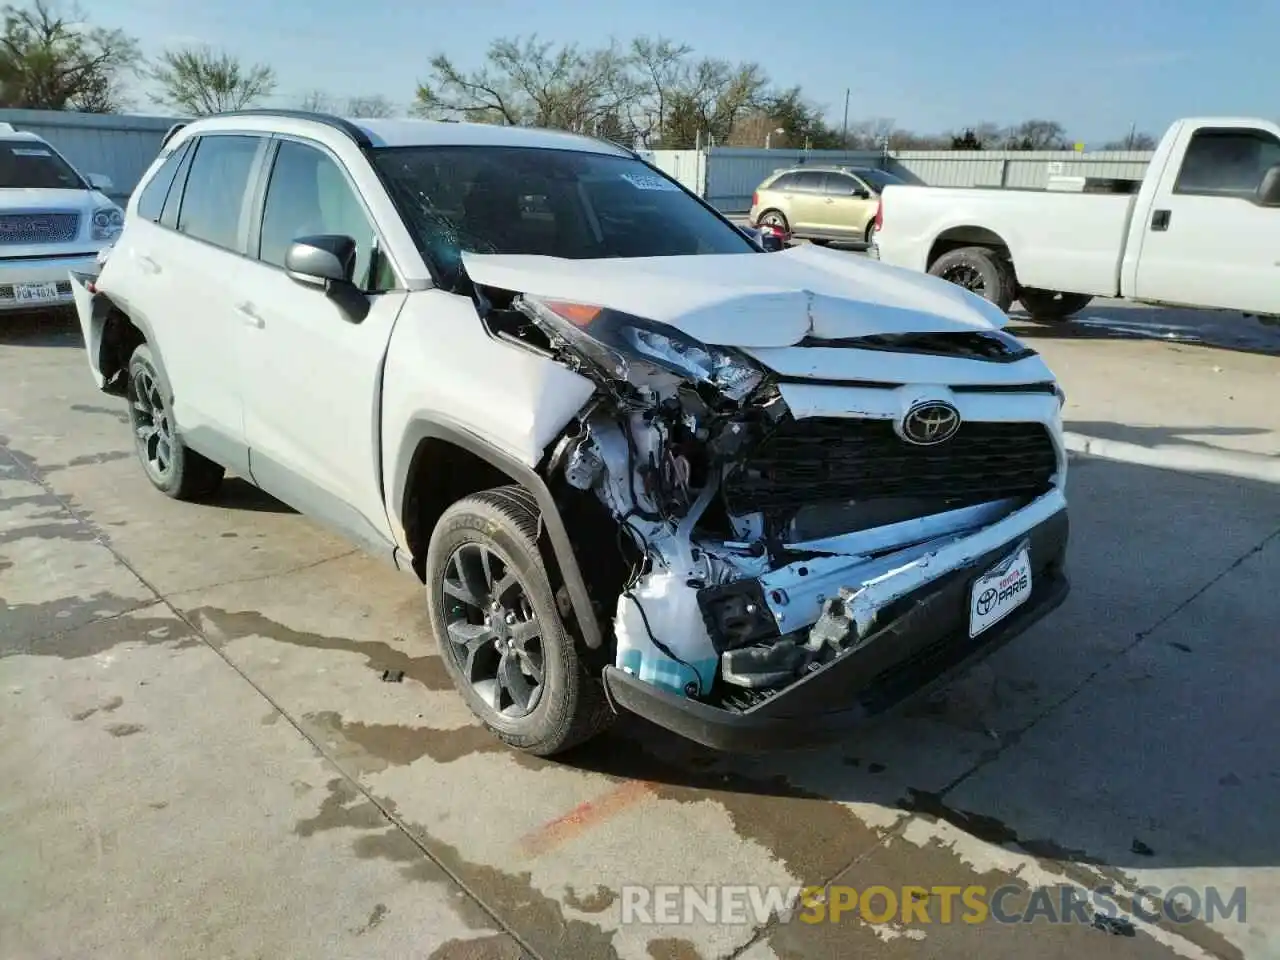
[{"x": 928, "y": 423}]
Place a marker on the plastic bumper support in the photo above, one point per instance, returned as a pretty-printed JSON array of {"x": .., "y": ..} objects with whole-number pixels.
[{"x": 917, "y": 651}]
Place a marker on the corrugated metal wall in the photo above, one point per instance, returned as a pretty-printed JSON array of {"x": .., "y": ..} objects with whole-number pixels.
[
  {"x": 961, "y": 168},
  {"x": 118, "y": 146},
  {"x": 726, "y": 176}
]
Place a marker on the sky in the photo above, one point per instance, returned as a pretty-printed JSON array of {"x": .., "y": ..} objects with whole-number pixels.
[{"x": 1096, "y": 66}]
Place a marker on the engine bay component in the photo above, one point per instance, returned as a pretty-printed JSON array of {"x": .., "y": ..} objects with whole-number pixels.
[{"x": 583, "y": 467}]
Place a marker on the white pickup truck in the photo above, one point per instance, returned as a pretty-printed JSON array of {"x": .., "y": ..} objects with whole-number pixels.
[{"x": 1202, "y": 230}]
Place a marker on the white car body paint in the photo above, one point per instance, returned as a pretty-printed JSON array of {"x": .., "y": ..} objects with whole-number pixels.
[
  {"x": 1217, "y": 248},
  {"x": 324, "y": 411},
  {"x": 802, "y": 292}
]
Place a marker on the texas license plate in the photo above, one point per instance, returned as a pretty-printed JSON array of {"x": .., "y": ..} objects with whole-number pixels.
[
  {"x": 35, "y": 292},
  {"x": 1000, "y": 591}
]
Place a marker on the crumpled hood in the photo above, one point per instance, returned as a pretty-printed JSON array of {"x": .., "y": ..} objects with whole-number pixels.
[{"x": 750, "y": 300}]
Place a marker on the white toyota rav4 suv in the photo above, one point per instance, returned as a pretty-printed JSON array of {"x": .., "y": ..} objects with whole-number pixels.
[
  {"x": 638, "y": 462},
  {"x": 52, "y": 220}
]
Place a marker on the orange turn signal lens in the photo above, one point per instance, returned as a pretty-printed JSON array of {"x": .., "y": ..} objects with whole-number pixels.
[{"x": 579, "y": 314}]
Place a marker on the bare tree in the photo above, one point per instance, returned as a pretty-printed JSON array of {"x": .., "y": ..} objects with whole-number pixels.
[
  {"x": 370, "y": 107},
  {"x": 661, "y": 66},
  {"x": 50, "y": 61},
  {"x": 200, "y": 80},
  {"x": 316, "y": 101},
  {"x": 714, "y": 95},
  {"x": 529, "y": 82},
  {"x": 1134, "y": 141},
  {"x": 1037, "y": 135}
]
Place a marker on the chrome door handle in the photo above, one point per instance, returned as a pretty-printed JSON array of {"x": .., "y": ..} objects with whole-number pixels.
[{"x": 249, "y": 316}]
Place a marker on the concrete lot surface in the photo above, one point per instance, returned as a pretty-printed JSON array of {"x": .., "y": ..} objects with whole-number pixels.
[{"x": 201, "y": 757}]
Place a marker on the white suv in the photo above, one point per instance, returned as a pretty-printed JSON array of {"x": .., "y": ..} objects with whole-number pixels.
[
  {"x": 52, "y": 220},
  {"x": 637, "y": 461}
]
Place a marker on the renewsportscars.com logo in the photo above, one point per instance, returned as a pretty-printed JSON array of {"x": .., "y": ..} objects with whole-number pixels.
[{"x": 675, "y": 904}]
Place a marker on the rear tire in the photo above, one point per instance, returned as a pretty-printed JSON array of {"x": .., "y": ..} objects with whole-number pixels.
[
  {"x": 172, "y": 467},
  {"x": 1049, "y": 306},
  {"x": 493, "y": 610},
  {"x": 980, "y": 270},
  {"x": 775, "y": 218}
]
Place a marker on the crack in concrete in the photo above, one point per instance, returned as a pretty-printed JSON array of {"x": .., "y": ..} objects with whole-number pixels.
[{"x": 236, "y": 581}]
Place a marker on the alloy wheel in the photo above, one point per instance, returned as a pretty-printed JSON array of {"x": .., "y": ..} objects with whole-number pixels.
[
  {"x": 152, "y": 425},
  {"x": 493, "y": 632},
  {"x": 963, "y": 275}
]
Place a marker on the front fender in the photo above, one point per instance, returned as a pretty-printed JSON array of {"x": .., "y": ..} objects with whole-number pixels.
[{"x": 567, "y": 561}]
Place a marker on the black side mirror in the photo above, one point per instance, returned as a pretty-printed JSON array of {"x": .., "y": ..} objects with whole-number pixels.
[
  {"x": 328, "y": 261},
  {"x": 1269, "y": 189},
  {"x": 772, "y": 243}
]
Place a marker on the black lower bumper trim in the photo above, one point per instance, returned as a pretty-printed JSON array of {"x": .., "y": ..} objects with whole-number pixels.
[{"x": 926, "y": 644}]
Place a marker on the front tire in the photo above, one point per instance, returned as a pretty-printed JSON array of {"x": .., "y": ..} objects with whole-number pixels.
[
  {"x": 980, "y": 270},
  {"x": 1050, "y": 306},
  {"x": 172, "y": 467},
  {"x": 493, "y": 610}
]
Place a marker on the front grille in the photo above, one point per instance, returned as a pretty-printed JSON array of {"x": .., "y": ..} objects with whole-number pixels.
[
  {"x": 16, "y": 228},
  {"x": 828, "y": 459}
]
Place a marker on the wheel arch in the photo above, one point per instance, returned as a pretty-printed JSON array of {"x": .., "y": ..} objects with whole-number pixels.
[
  {"x": 441, "y": 462},
  {"x": 969, "y": 235},
  {"x": 121, "y": 334}
]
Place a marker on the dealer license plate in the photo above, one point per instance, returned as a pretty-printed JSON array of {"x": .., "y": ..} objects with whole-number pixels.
[
  {"x": 1000, "y": 591},
  {"x": 35, "y": 292}
]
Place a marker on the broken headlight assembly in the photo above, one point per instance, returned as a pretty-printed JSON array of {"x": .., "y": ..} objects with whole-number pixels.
[{"x": 622, "y": 346}]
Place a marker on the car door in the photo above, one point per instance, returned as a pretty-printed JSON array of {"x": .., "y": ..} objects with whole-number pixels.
[
  {"x": 313, "y": 370},
  {"x": 1206, "y": 242},
  {"x": 191, "y": 258},
  {"x": 846, "y": 206},
  {"x": 805, "y": 201}
]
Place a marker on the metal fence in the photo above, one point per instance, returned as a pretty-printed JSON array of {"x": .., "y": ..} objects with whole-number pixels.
[
  {"x": 727, "y": 176},
  {"x": 118, "y": 146}
]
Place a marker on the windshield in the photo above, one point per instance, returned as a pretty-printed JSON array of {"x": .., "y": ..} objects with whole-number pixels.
[
  {"x": 32, "y": 164},
  {"x": 879, "y": 179},
  {"x": 558, "y": 203}
]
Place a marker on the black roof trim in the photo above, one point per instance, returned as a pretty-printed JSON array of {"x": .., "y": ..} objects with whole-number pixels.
[{"x": 346, "y": 127}]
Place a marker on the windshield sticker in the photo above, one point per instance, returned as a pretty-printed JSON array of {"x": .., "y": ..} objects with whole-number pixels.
[
  {"x": 642, "y": 182},
  {"x": 30, "y": 152}
]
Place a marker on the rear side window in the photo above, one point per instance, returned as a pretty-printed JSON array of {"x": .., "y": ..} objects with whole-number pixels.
[
  {"x": 151, "y": 200},
  {"x": 1226, "y": 162},
  {"x": 216, "y": 188},
  {"x": 810, "y": 181},
  {"x": 785, "y": 182}
]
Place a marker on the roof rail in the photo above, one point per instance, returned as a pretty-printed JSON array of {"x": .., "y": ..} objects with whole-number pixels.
[
  {"x": 171, "y": 132},
  {"x": 338, "y": 123}
]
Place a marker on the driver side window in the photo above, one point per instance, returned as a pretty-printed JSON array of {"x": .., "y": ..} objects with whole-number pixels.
[{"x": 308, "y": 195}]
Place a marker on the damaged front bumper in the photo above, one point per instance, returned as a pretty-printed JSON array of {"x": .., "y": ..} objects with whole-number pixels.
[{"x": 924, "y": 640}]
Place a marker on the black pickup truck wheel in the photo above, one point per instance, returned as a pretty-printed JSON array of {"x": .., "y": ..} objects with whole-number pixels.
[
  {"x": 980, "y": 270},
  {"x": 494, "y": 614},
  {"x": 1051, "y": 306}
]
